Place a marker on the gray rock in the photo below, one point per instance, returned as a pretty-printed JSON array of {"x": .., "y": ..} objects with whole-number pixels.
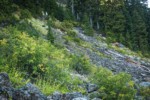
[
  {"x": 5, "y": 87},
  {"x": 81, "y": 98},
  {"x": 145, "y": 84},
  {"x": 4, "y": 80},
  {"x": 49, "y": 98},
  {"x": 70, "y": 96},
  {"x": 110, "y": 58},
  {"x": 57, "y": 96},
  {"x": 91, "y": 87},
  {"x": 28, "y": 92},
  {"x": 67, "y": 96},
  {"x": 3, "y": 97},
  {"x": 96, "y": 99}
]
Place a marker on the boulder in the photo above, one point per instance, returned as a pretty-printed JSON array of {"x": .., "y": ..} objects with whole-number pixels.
[
  {"x": 81, "y": 98},
  {"x": 5, "y": 87},
  {"x": 28, "y": 92},
  {"x": 70, "y": 96},
  {"x": 67, "y": 96},
  {"x": 91, "y": 88},
  {"x": 56, "y": 96},
  {"x": 3, "y": 97},
  {"x": 96, "y": 99},
  {"x": 145, "y": 84},
  {"x": 4, "y": 80}
]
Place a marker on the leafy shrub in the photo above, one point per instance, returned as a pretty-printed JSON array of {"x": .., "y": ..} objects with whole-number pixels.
[
  {"x": 88, "y": 30},
  {"x": 67, "y": 24},
  {"x": 81, "y": 65},
  {"x": 16, "y": 77},
  {"x": 27, "y": 53},
  {"x": 27, "y": 27},
  {"x": 72, "y": 36},
  {"x": 145, "y": 92},
  {"x": 114, "y": 87},
  {"x": 71, "y": 33},
  {"x": 50, "y": 34},
  {"x": 25, "y": 14}
]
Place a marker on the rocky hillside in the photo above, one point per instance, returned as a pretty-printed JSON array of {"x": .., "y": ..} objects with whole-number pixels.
[
  {"x": 107, "y": 55},
  {"x": 75, "y": 66}
]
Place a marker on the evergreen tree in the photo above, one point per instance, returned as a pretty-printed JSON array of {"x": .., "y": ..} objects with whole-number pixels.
[{"x": 50, "y": 36}]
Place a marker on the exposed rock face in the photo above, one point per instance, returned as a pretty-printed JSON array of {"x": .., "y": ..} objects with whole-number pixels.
[
  {"x": 91, "y": 88},
  {"x": 81, "y": 98},
  {"x": 28, "y": 92},
  {"x": 5, "y": 87},
  {"x": 67, "y": 96},
  {"x": 96, "y": 99},
  {"x": 145, "y": 84},
  {"x": 4, "y": 80}
]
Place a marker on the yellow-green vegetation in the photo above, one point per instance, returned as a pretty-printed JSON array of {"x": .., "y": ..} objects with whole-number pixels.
[
  {"x": 72, "y": 36},
  {"x": 64, "y": 26},
  {"x": 85, "y": 44},
  {"x": 82, "y": 65},
  {"x": 33, "y": 58},
  {"x": 114, "y": 87},
  {"x": 16, "y": 77}
]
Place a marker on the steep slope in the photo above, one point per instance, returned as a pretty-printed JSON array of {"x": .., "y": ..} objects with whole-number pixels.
[
  {"x": 75, "y": 64},
  {"x": 102, "y": 54}
]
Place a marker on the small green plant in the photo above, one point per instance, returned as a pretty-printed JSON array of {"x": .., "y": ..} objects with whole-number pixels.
[
  {"x": 50, "y": 36},
  {"x": 67, "y": 24},
  {"x": 71, "y": 33},
  {"x": 81, "y": 65},
  {"x": 88, "y": 30},
  {"x": 48, "y": 88},
  {"x": 25, "y": 14}
]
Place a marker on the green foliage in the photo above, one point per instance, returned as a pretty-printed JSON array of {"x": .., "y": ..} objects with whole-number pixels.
[
  {"x": 27, "y": 27},
  {"x": 36, "y": 59},
  {"x": 145, "y": 91},
  {"x": 64, "y": 26},
  {"x": 26, "y": 52},
  {"x": 25, "y": 14},
  {"x": 67, "y": 24},
  {"x": 63, "y": 14},
  {"x": 67, "y": 85},
  {"x": 16, "y": 77},
  {"x": 50, "y": 34},
  {"x": 47, "y": 88},
  {"x": 117, "y": 87},
  {"x": 88, "y": 30},
  {"x": 81, "y": 65}
]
